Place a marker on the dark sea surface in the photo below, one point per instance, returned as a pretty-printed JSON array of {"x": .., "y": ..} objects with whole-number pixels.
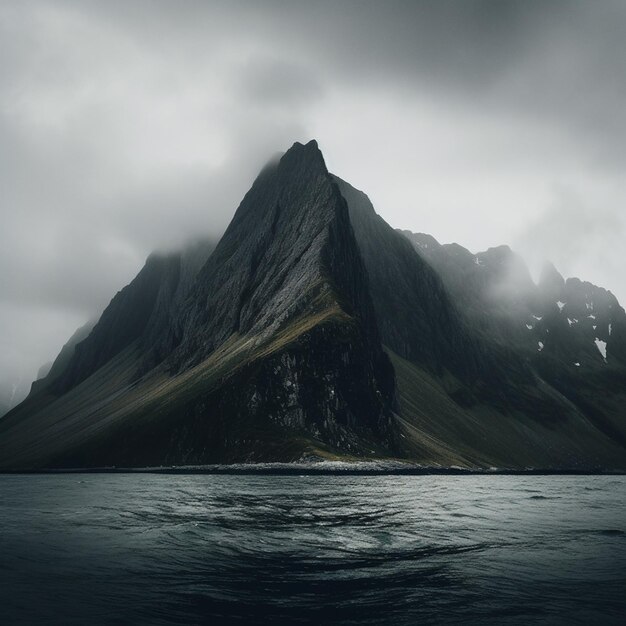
[{"x": 176, "y": 549}]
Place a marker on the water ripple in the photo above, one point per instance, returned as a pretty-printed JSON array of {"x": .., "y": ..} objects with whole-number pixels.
[{"x": 158, "y": 549}]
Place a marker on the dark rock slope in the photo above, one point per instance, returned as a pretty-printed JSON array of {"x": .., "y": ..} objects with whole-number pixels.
[
  {"x": 142, "y": 312},
  {"x": 421, "y": 322},
  {"x": 270, "y": 351},
  {"x": 416, "y": 316},
  {"x": 570, "y": 320},
  {"x": 571, "y": 333}
]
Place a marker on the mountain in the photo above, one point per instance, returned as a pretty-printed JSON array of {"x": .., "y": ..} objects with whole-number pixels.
[
  {"x": 270, "y": 350},
  {"x": 494, "y": 289},
  {"x": 314, "y": 329},
  {"x": 569, "y": 320},
  {"x": 570, "y": 332}
]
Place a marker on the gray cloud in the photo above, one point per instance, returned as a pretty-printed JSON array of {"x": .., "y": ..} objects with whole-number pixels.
[
  {"x": 126, "y": 127},
  {"x": 279, "y": 83}
]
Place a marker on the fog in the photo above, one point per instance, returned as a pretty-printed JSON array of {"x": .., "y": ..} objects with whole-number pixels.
[{"x": 126, "y": 127}]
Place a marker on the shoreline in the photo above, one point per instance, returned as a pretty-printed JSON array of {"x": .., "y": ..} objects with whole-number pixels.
[{"x": 327, "y": 468}]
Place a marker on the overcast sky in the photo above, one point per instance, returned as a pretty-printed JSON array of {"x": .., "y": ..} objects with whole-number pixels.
[{"x": 129, "y": 126}]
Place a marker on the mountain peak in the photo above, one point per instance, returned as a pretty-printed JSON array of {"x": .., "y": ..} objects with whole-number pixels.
[
  {"x": 310, "y": 149},
  {"x": 312, "y": 143},
  {"x": 306, "y": 155},
  {"x": 550, "y": 279}
]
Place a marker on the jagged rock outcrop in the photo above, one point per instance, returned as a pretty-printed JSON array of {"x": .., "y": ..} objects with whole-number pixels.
[
  {"x": 551, "y": 283},
  {"x": 567, "y": 319},
  {"x": 492, "y": 289}
]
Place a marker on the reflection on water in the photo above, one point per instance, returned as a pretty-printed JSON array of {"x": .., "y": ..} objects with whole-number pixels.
[{"x": 165, "y": 549}]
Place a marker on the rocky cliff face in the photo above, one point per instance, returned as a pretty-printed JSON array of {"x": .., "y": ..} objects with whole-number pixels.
[
  {"x": 422, "y": 323},
  {"x": 282, "y": 312},
  {"x": 289, "y": 247},
  {"x": 268, "y": 350},
  {"x": 416, "y": 316}
]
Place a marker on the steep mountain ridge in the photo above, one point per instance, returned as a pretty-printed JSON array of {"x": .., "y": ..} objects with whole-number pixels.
[
  {"x": 274, "y": 346},
  {"x": 422, "y": 323},
  {"x": 494, "y": 289},
  {"x": 285, "y": 245},
  {"x": 416, "y": 317}
]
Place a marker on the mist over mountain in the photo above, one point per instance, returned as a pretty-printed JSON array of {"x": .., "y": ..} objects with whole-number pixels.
[
  {"x": 313, "y": 329},
  {"x": 572, "y": 318},
  {"x": 11, "y": 394}
]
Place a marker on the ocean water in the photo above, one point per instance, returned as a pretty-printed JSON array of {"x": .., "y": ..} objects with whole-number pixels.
[{"x": 178, "y": 549}]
